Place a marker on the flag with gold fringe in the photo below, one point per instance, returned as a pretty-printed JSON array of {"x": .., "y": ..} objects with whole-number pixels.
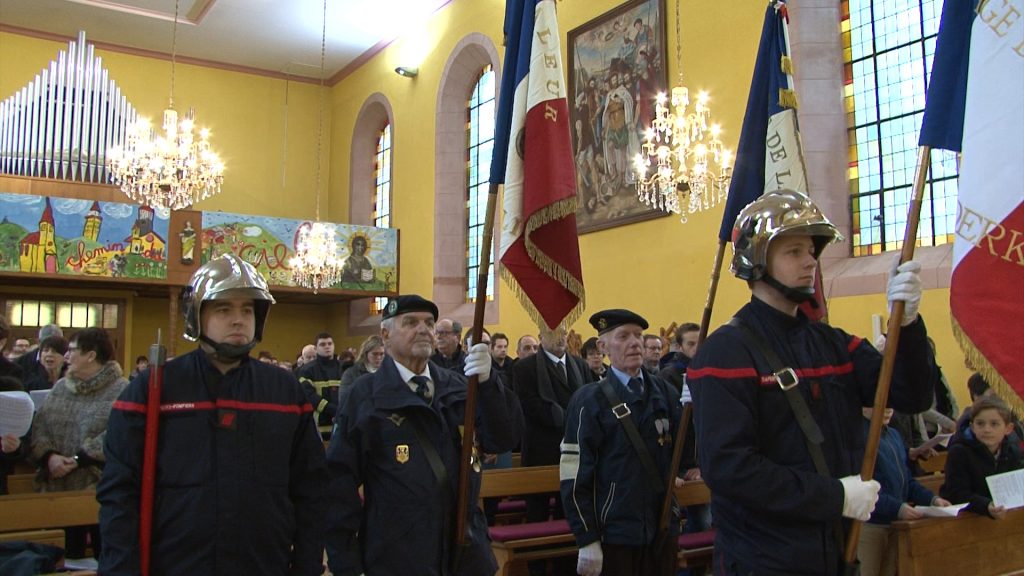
[
  {"x": 975, "y": 105},
  {"x": 539, "y": 249},
  {"x": 770, "y": 155}
]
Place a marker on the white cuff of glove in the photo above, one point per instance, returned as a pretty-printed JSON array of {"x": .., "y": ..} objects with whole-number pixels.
[
  {"x": 905, "y": 285},
  {"x": 478, "y": 362},
  {"x": 591, "y": 560},
  {"x": 859, "y": 497}
]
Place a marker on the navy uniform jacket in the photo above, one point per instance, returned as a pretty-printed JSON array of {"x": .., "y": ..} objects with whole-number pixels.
[
  {"x": 240, "y": 478},
  {"x": 774, "y": 513},
  {"x": 406, "y": 525},
  {"x": 321, "y": 380},
  {"x": 534, "y": 379},
  {"x": 605, "y": 489}
]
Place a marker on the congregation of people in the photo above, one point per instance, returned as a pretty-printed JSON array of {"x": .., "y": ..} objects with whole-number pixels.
[{"x": 264, "y": 465}]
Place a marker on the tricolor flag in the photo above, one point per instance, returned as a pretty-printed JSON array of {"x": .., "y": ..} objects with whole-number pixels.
[
  {"x": 539, "y": 250},
  {"x": 975, "y": 105},
  {"x": 769, "y": 155}
]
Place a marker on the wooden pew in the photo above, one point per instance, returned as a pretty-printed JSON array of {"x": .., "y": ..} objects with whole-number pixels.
[
  {"x": 51, "y": 537},
  {"x": 21, "y": 483},
  {"x": 968, "y": 544},
  {"x": 519, "y": 543},
  {"x": 553, "y": 539},
  {"x": 48, "y": 510}
]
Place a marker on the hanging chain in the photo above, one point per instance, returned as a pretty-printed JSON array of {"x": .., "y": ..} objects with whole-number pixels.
[
  {"x": 679, "y": 46},
  {"x": 320, "y": 114},
  {"x": 174, "y": 51}
]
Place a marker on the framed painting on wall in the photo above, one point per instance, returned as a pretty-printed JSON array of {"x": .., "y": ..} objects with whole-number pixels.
[{"x": 617, "y": 67}]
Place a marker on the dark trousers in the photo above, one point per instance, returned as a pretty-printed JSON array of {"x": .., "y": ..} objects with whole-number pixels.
[
  {"x": 75, "y": 541},
  {"x": 634, "y": 560},
  {"x": 538, "y": 509}
]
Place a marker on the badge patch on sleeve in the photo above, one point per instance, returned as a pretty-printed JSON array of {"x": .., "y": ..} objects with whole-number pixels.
[
  {"x": 569, "y": 463},
  {"x": 402, "y": 453}
]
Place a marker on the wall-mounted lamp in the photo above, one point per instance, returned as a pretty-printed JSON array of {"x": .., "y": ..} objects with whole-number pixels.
[{"x": 407, "y": 71}]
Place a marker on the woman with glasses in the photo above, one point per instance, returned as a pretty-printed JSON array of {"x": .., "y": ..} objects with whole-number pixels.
[{"x": 68, "y": 432}]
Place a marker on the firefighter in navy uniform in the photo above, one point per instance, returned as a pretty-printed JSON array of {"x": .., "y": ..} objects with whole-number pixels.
[
  {"x": 321, "y": 380},
  {"x": 398, "y": 436},
  {"x": 612, "y": 496},
  {"x": 778, "y": 397},
  {"x": 240, "y": 467}
]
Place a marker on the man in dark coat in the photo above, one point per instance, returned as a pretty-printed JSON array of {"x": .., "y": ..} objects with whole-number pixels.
[
  {"x": 399, "y": 437},
  {"x": 240, "y": 468},
  {"x": 544, "y": 383}
]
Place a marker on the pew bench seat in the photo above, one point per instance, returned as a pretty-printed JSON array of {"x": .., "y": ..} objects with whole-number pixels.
[{"x": 517, "y": 543}]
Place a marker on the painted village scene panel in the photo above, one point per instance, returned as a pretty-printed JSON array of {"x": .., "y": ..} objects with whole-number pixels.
[
  {"x": 54, "y": 235},
  {"x": 370, "y": 255}
]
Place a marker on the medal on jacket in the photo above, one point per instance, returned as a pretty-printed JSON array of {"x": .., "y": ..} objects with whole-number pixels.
[
  {"x": 402, "y": 453},
  {"x": 661, "y": 425}
]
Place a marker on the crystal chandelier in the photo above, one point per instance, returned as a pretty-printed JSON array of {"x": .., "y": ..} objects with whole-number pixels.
[
  {"x": 316, "y": 264},
  {"x": 171, "y": 170},
  {"x": 683, "y": 167}
]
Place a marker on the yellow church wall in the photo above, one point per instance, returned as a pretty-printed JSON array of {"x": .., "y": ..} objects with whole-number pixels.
[{"x": 660, "y": 268}]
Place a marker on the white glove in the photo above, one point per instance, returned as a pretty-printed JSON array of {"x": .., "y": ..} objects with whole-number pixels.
[
  {"x": 905, "y": 285},
  {"x": 591, "y": 560},
  {"x": 859, "y": 497},
  {"x": 478, "y": 362}
]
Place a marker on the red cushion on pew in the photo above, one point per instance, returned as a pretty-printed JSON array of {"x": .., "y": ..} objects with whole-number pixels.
[
  {"x": 529, "y": 530},
  {"x": 697, "y": 539},
  {"x": 509, "y": 506}
]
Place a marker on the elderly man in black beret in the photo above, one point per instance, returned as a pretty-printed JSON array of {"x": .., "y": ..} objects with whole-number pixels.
[
  {"x": 616, "y": 456},
  {"x": 398, "y": 436}
]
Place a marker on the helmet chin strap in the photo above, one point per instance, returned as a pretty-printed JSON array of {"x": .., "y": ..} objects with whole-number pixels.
[
  {"x": 797, "y": 295},
  {"x": 227, "y": 352}
]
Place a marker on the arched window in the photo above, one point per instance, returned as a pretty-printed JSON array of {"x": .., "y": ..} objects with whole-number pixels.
[
  {"x": 382, "y": 194},
  {"x": 479, "y": 146},
  {"x": 460, "y": 82},
  {"x": 888, "y": 51},
  {"x": 371, "y": 202}
]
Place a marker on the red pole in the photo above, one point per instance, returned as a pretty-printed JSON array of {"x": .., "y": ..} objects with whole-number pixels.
[{"x": 157, "y": 359}]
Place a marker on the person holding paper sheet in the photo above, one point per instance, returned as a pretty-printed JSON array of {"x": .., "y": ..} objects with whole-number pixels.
[
  {"x": 876, "y": 550},
  {"x": 12, "y": 447},
  {"x": 983, "y": 450}
]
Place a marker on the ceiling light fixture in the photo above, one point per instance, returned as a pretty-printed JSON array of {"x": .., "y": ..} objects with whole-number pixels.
[
  {"x": 173, "y": 170},
  {"x": 407, "y": 71},
  {"x": 316, "y": 264},
  {"x": 683, "y": 167}
]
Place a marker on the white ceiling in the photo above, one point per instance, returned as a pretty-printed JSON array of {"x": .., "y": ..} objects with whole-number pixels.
[{"x": 277, "y": 36}]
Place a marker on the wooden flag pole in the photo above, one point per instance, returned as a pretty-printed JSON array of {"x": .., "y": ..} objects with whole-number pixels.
[
  {"x": 892, "y": 340},
  {"x": 716, "y": 271},
  {"x": 469, "y": 418}
]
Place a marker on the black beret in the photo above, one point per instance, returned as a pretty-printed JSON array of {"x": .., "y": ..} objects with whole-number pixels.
[
  {"x": 606, "y": 320},
  {"x": 409, "y": 303}
]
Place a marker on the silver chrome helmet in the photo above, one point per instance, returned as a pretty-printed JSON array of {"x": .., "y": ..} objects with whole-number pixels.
[
  {"x": 775, "y": 213},
  {"x": 226, "y": 276}
]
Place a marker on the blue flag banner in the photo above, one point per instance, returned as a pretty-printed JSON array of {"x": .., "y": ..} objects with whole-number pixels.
[
  {"x": 768, "y": 156},
  {"x": 943, "y": 124}
]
